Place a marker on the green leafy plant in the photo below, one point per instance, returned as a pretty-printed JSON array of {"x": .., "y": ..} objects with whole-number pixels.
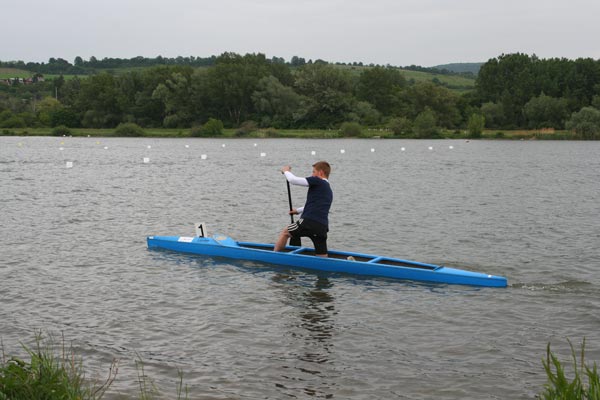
[
  {"x": 61, "y": 130},
  {"x": 559, "y": 386},
  {"x": 129, "y": 129},
  {"x": 350, "y": 129},
  {"x": 47, "y": 375}
]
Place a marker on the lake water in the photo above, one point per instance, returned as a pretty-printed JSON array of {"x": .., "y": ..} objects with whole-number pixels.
[{"x": 73, "y": 260}]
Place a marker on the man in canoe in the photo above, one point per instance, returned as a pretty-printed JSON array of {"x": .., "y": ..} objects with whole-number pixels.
[{"x": 314, "y": 221}]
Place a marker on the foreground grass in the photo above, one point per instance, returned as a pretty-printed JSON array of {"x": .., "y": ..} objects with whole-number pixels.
[
  {"x": 561, "y": 387},
  {"x": 51, "y": 376},
  {"x": 302, "y": 133}
]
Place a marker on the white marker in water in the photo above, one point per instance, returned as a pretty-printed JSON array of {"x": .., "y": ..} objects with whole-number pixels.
[
  {"x": 263, "y": 154},
  {"x": 187, "y": 146},
  {"x": 149, "y": 147},
  {"x": 313, "y": 152},
  {"x": 203, "y": 156},
  {"x": 223, "y": 145},
  {"x": 146, "y": 160},
  {"x": 342, "y": 151},
  {"x": 450, "y": 147},
  {"x": 69, "y": 164},
  {"x": 105, "y": 147},
  {"x": 61, "y": 148},
  {"x": 430, "y": 147},
  {"x": 402, "y": 149},
  {"x": 255, "y": 145},
  {"x": 372, "y": 150}
]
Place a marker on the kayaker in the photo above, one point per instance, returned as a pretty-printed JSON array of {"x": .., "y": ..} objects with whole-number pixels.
[{"x": 314, "y": 220}]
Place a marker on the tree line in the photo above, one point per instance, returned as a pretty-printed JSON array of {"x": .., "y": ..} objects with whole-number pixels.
[{"x": 513, "y": 91}]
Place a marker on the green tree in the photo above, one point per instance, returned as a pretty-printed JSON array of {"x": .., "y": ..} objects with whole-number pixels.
[
  {"x": 585, "y": 123},
  {"x": 493, "y": 114},
  {"x": 277, "y": 104},
  {"x": 400, "y": 126},
  {"x": 381, "y": 87},
  {"x": 475, "y": 125},
  {"x": 425, "y": 125},
  {"x": 175, "y": 93},
  {"x": 231, "y": 83},
  {"x": 328, "y": 92},
  {"x": 439, "y": 100},
  {"x": 546, "y": 112}
]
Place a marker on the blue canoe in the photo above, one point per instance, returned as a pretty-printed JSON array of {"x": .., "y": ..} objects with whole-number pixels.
[{"x": 338, "y": 261}]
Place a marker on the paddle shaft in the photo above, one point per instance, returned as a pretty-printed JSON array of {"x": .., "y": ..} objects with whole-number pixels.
[{"x": 293, "y": 241}]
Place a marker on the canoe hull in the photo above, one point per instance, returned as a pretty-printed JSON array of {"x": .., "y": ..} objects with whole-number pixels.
[{"x": 338, "y": 262}]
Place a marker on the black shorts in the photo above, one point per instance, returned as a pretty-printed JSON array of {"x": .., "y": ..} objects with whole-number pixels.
[{"x": 315, "y": 231}]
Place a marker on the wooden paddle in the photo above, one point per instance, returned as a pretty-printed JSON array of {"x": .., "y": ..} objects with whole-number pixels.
[{"x": 293, "y": 240}]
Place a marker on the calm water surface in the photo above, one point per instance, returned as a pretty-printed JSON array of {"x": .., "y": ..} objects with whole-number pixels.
[{"x": 73, "y": 260}]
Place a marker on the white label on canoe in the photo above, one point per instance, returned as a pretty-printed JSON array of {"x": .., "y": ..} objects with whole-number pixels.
[{"x": 185, "y": 239}]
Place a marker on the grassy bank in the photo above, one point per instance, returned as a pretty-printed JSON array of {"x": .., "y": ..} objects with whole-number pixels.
[
  {"x": 55, "y": 372},
  {"x": 301, "y": 133}
]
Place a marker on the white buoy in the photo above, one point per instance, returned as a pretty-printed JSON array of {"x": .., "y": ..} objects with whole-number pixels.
[
  {"x": 69, "y": 164},
  {"x": 61, "y": 148},
  {"x": 430, "y": 147},
  {"x": 203, "y": 156},
  {"x": 402, "y": 149},
  {"x": 450, "y": 147},
  {"x": 263, "y": 154},
  {"x": 342, "y": 151},
  {"x": 146, "y": 160},
  {"x": 105, "y": 147},
  {"x": 149, "y": 147},
  {"x": 187, "y": 146},
  {"x": 313, "y": 153},
  {"x": 223, "y": 145},
  {"x": 372, "y": 150},
  {"x": 255, "y": 144}
]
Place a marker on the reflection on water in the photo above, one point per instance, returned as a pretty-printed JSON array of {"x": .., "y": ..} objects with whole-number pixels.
[{"x": 310, "y": 325}]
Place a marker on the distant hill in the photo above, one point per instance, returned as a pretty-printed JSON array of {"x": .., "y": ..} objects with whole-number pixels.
[{"x": 460, "y": 68}]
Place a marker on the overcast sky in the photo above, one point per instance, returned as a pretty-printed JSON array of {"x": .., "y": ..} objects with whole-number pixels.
[{"x": 396, "y": 32}]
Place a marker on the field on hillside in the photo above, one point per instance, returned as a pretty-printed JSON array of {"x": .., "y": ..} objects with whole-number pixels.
[
  {"x": 6, "y": 73},
  {"x": 456, "y": 83}
]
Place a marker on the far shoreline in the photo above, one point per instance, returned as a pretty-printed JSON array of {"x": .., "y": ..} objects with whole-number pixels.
[{"x": 271, "y": 133}]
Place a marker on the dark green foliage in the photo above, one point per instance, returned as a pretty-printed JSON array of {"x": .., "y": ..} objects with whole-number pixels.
[
  {"x": 586, "y": 123},
  {"x": 425, "y": 125},
  {"x": 350, "y": 129},
  {"x": 475, "y": 125},
  {"x": 61, "y": 130},
  {"x": 129, "y": 129},
  {"x": 546, "y": 112},
  {"x": 513, "y": 91},
  {"x": 212, "y": 127},
  {"x": 246, "y": 128}
]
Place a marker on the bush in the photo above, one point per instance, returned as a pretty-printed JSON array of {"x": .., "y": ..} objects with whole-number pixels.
[
  {"x": 586, "y": 123},
  {"x": 475, "y": 125},
  {"x": 129, "y": 129},
  {"x": 349, "y": 129},
  {"x": 400, "y": 126},
  {"x": 246, "y": 128},
  {"x": 425, "y": 125},
  {"x": 212, "y": 127},
  {"x": 61, "y": 131}
]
